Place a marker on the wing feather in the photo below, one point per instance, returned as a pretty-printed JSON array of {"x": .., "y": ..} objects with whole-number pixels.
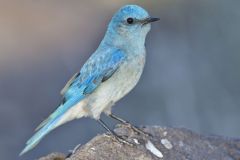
[
  {"x": 93, "y": 73},
  {"x": 99, "y": 67},
  {"x": 68, "y": 84}
]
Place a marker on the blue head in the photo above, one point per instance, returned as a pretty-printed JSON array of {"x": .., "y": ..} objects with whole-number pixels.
[{"x": 129, "y": 26}]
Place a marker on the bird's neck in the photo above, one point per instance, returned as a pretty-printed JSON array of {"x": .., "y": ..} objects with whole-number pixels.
[{"x": 129, "y": 43}]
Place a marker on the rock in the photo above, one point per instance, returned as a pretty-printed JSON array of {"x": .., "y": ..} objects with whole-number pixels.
[
  {"x": 165, "y": 144},
  {"x": 54, "y": 156}
]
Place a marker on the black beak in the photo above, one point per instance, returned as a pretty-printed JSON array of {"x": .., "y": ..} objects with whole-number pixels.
[{"x": 150, "y": 20}]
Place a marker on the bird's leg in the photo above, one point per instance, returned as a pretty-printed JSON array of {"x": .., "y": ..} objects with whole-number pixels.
[
  {"x": 136, "y": 129},
  {"x": 118, "y": 138}
]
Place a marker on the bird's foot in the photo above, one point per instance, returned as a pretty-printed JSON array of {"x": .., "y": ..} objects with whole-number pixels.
[
  {"x": 138, "y": 130},
  {"x": 123, "y": 141},
  {"x": 134, "y": 128},
  {"x": 120, "y": 139}
]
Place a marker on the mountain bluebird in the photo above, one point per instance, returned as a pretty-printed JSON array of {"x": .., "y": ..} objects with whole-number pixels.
[{"x": 108, "y": 75}]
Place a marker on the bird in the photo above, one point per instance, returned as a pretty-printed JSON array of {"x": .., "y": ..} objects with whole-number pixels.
[{"x": 111, "y": 72}]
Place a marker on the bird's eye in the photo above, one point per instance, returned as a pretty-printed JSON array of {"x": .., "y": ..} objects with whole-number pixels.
[{"x": 130, "y": 20}]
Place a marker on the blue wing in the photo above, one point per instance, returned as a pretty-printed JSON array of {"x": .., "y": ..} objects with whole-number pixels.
[{"x": 99, "y": 67}]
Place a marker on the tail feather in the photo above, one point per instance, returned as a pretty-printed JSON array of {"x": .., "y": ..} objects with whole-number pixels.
[
  {"x": 52, "y": 116},
  {"x": 36, "y": 138},
  {"x": 49, "y": 124}
]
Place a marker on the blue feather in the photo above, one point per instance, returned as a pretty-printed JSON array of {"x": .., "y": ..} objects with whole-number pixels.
[
  {"x": 50, "y": 124},
  {"x": 90, "y": 77}
]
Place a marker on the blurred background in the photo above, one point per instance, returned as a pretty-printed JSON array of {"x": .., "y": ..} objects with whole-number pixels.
[{"x": 191, "y": 78}]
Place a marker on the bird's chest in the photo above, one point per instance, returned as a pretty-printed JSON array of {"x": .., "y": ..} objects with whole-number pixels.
[
  {"x": 113, "y": 89},
  {"x": 127, "y": 76}
]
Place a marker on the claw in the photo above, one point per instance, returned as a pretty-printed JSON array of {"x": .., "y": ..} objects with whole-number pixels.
[
  {"x": 121, "y": 140},
  {"x": 138, "y": 130}
]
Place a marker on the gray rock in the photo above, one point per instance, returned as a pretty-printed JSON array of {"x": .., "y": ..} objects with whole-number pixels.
[{"x": 165, "y": 144}]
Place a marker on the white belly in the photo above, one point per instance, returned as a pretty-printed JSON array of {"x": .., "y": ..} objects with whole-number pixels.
[{"x": 110, "y": 91}]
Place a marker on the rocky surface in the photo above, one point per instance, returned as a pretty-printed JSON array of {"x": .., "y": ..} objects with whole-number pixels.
[{"x": 165, "y": 144}]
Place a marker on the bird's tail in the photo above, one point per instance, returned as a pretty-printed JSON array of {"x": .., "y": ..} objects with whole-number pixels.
[
  {"x": 43, "y": 129},
  {"x": 53, "y": 121},
  {"x": 36, "y": 138}
]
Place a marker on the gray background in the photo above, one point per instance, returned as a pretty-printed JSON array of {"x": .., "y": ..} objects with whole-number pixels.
[{"x": 191, "y": 78}]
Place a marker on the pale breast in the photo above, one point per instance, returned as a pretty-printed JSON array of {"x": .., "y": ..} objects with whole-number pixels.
[
  {"x": 127, "y": 77},
  {"x": 121, "y": 82}
]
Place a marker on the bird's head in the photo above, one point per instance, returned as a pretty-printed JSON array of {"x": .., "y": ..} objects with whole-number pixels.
[{"x": 130, "y": 23}]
